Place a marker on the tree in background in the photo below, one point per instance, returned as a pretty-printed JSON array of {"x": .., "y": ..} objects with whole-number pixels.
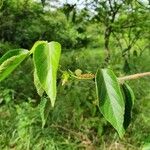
[
  {"x": 25, "y": 21},
  {"x": 127, "y": 21}
]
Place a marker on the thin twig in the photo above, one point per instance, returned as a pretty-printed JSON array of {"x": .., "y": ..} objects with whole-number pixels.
[
  {"x": 121, "y": 79},
  {"x": 134, "y": 76}
]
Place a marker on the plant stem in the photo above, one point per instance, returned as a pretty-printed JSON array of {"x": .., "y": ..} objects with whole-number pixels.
[
  {"x": 134, "y": 76},
  {"x": 121, "y": 79}
]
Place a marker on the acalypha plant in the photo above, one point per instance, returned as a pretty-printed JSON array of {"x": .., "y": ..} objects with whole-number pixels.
[{"x": 114, "y": 95}]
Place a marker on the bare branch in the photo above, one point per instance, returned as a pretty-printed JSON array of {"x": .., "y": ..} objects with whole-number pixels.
[
  {"x": 121, "y": 79},
  {"x": 134, "y": 76}
]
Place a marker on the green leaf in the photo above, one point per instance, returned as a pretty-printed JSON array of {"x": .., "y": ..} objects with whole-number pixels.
[
  {"x": 146, "y": 146},
  {"x": 129, "y": 101},
  {"x": 38, "y": 85},
  {"x": 10, "y": 61},
  {"x": 44, "y": 110},
  {"x": 110, "y": 98},
  {"x": 46, "y": 60}
]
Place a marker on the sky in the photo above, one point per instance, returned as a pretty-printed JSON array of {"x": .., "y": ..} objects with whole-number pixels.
[{"x": 80, "y": 3}]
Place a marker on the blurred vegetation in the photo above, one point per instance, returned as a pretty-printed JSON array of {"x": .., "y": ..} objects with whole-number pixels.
[{"x": 88, "y": 35}]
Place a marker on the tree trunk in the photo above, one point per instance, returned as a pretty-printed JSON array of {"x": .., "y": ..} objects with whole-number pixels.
[{"x": 107, "y": 39}]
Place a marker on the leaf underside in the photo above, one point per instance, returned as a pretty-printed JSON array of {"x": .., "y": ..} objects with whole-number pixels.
[
  {"x": 129, "y": 102},
  {"x": 38, "y": 85},
  {"x": 46, "y": 60}
]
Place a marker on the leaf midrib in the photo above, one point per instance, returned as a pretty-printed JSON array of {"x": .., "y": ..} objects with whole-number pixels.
[{"x": 118, "y": 125}]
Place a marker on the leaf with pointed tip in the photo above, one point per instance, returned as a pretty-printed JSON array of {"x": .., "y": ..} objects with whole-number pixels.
[
  {"x": 46, "y": 60},
  {"x": 111, "y": 102},
  {"x": 10, "y": 61},
  {"x": 129, "y": 102}
]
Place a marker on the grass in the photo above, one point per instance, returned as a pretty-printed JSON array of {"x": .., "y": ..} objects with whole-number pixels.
[{"x": 75, "y": 123}]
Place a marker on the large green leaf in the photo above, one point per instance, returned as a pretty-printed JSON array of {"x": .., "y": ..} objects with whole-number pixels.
[
  {"x": 10, "y": 61},
  {"x": 46, "y": 60},
  {"x": 111, "y": 101},
  {"x": 129, "y": 101}
]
